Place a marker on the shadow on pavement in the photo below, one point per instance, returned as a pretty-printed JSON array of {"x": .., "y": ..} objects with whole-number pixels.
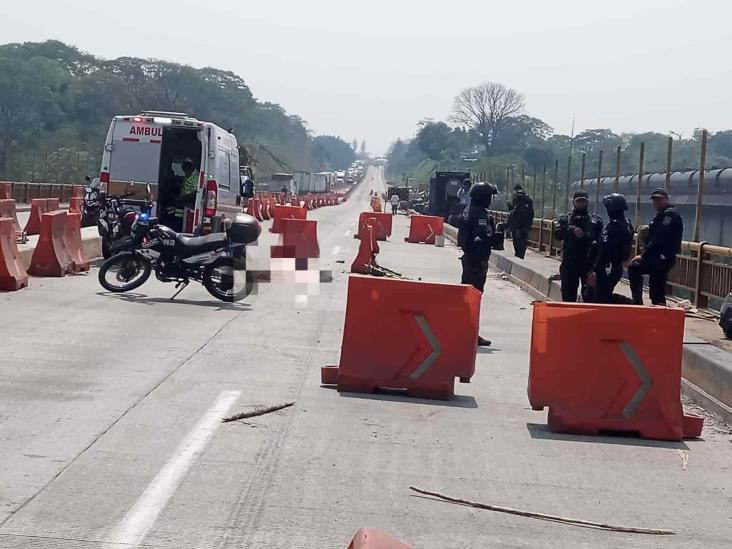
[
  {"x": 488, "y": 350},
  {"x": 541, "y": 432},
  {"x": 132, "y": 297},
  {"x": 387, "y": 395}
]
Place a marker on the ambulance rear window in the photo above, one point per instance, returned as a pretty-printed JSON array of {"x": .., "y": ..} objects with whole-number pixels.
[{"x": 135, "y": 161}]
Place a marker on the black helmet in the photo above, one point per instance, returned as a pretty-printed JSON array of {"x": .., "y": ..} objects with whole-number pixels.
[
  {"x": 615, "y": 203},
  {"x": 581, "y": 194},
  {"x": 482, "y": 193}
]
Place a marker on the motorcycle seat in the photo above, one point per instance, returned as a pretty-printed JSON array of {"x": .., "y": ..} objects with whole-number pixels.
[{"x": 200, "y": 244}]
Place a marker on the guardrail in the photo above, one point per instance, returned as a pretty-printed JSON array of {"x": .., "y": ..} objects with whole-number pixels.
[
  {"x": 702, "y": 271},
  {"x": 25, "y": 192}
]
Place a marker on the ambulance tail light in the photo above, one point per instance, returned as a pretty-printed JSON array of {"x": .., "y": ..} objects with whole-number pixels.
[
  {"x": 104, "y": 177},
  {"x": 212, "y": 190}
]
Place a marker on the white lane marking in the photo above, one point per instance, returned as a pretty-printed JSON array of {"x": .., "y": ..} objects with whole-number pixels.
[
  {"x": 138, "y": 521},
  {"x": 336, "y": 250},
  {"x": 348, "y": 233}
]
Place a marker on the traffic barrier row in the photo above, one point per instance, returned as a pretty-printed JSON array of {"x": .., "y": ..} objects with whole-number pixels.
[
  {"x": 425, "y": 228},
  {"x": 383, "y": 224},
  {"x": 371, "y": 538},
  {"x": 610, "y": 368},
  {"x": 6, "y": 190},
  {"x": 39, "y": 206},
  {"x": 427, "y": 336},
  {"x": 299, "y": 239},
  {"x": 368, "y": 247}
]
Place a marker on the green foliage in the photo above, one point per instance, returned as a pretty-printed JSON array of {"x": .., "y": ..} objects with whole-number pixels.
[
  {"x": 56, "y": 100},
  {"x": 331, "y": 152}
]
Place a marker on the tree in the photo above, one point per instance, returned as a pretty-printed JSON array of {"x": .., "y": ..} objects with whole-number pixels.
[
  {"x": 363, "y": 148},
  {"x": 520, "y": 132},
  {"x": 433, "y": 139},
  {"x": 487, "y": 109},
  {"x": 354, "y": 145},
  {"x": 332, "y": 152}
]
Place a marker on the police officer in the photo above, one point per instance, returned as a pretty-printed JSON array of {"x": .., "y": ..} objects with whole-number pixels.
[
  {"x": 475, "y": 237},
  {"x": 613, "y": 249},
  {"x": 578, "y": 231},
  {"x": 659, "y": 254},
  {"x": 520, "y": 218}
]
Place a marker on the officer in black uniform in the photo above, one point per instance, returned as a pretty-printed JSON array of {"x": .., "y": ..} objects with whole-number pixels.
[
  {"x": 475, "y": 237},
  {"x": 578, "y": 231},
  {"x": 520, "y": 219},
  {"x": 659, "y": 254},
  {"x": 613, "y": 249}
]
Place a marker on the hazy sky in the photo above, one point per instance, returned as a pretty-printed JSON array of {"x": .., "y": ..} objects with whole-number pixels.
[{"x": 373, "y": 69}]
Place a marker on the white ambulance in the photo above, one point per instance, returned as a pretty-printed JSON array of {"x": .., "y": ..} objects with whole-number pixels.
[{"x": 151, "y": 148}]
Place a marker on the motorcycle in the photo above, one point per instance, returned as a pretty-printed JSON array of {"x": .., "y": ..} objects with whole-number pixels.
[
  {"x": 113, "y": 215},
  {"x": 217, "y": 260}
]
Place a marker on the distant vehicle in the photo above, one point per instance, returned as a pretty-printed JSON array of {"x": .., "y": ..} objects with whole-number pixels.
[
  {"x": 150, "y": 148},
  {"x": 307, "y": 182},
  {"x": 278, "y": 181}
]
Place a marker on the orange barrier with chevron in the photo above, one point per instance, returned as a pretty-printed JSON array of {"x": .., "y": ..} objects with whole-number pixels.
[
  {"x": 401, "y": 334},
  {"x": 610, "y": 368},
  {"x": 383, "y": 224},
  {"x": 371, "y": 538},
  {"x": 424, "y": 228}
]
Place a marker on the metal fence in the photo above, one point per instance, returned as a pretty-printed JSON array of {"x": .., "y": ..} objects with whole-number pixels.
[{"x": 702, "y": 272}]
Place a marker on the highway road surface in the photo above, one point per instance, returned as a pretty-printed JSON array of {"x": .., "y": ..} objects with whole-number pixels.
[{"x": 110, "y": 432}]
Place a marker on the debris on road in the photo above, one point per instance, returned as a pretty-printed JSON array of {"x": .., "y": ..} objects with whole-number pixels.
[
  {"x": 259, "y": 412},
  {"x": 542, "y": 516}
]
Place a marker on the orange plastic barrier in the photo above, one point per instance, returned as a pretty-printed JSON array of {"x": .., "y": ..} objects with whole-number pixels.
[
  {"x": 299, "y": 239},
  {"x": 254, "y": 208},
  {"x": 53, "y": 204},
  {"x": 609, "y": 368},
  {"x": 77, "y": 191},
  {"x": 6, "y": 190},
  {"x": 376, "y": 203},
  {"x": 367, "y": 249},
  {"x": 371, "y": 538},
  {"x": 12, "y": 272},
  {"x": 39, "y": 206},
  {"x": 264, "y": 209},
  {"x": 424, "y": 228},
  {"x": 286, "y": 212},
  {"x": 51, "y": 258},
  {"x": 73, "y": 243},
  {"x": 75, "y": 204},
  {"x": 401, "y": 334},
  {"x": 383, "y": 223},
  {"x": 7, "y": 209}
]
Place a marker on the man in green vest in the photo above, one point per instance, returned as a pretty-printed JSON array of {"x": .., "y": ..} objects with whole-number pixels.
[{"x": 187, "y": 197}]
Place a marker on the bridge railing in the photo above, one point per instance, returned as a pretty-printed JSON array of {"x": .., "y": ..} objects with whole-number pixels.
[
  {"x": 25, "y": 192},
  {"x": 703, "y": 271}
]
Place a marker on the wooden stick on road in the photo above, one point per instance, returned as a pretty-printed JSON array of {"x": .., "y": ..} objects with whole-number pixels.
[
  {"x": 542, "y": 516},
  {"x": 259, "y": 412}
]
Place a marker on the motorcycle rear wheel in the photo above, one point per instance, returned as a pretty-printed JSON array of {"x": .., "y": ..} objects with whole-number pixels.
[
  {"x": 124, "y": 272},
  {"x": 227, "y": 281}
]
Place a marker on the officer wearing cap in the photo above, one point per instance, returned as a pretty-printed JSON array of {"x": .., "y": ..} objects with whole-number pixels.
[
  {"x": 520, "y": 219},
  {"x": 662, "y": 244},
  {"x": 475, "y": 238},
  {"x": 614, "y": 247},
  {"x": 578, "y": 231}
]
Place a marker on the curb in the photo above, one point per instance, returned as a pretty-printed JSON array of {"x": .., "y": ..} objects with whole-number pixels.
[{"x": 706, "y": 369}]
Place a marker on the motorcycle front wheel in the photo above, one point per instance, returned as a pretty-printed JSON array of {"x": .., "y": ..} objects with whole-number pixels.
[
  {"x": 124, "y": 272},
  {"x": 226, "y": 281}
]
